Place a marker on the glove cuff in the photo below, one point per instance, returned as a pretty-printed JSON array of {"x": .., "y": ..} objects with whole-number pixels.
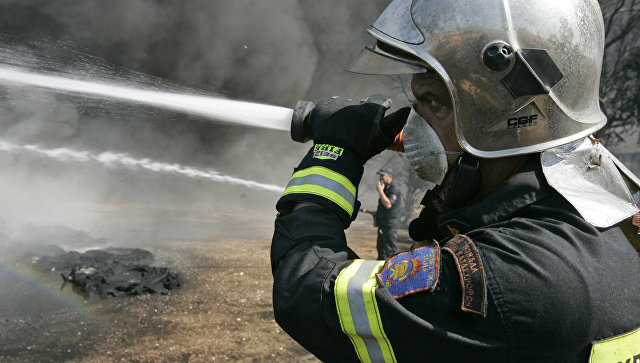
[{"x": 328, "y": 175}]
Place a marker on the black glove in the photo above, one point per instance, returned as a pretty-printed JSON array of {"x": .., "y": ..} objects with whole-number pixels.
[
  {"x": 357, "y": 126},
  {"x": 346, "y": 134}
]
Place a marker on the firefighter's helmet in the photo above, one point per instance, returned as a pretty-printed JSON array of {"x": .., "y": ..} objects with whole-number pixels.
[{"x": 523, "y": 75}]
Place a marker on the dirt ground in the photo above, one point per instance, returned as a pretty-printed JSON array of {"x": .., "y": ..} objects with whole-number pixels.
[{"x": 223, "y": 311}]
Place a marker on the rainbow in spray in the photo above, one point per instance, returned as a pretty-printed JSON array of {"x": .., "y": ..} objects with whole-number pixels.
[{"x": 35, "y": 285}]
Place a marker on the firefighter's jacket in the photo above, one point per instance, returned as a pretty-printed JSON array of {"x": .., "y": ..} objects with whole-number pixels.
[{"x": 519, "y": 276}]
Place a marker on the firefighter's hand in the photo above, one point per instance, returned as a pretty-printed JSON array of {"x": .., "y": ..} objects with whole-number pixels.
[
  {"x": 358, "y": 126},
  {"x": 367, "y": 211},
  {"x": 380, "y": 187}
]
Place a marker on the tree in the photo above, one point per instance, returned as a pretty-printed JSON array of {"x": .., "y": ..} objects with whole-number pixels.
[{"x": 619, "y": 93}]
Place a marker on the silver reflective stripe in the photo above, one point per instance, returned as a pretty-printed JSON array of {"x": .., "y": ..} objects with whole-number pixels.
[
  {"x": 325, "y": 182},
  {"x": 355, "y": 293},
  {"x": 359, "y": 310}
]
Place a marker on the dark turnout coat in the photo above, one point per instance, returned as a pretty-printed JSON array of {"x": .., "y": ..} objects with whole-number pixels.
[{"x": 525, "y": 279}]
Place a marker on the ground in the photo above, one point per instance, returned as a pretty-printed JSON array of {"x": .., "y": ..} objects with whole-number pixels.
[{"x": 223, "y": 312}]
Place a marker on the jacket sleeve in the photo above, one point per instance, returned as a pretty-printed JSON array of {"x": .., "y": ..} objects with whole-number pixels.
[{"x": 309, "y": 253}]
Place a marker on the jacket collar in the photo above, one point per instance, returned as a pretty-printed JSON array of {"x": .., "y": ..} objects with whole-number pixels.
[{"x": 524, "y": 188}]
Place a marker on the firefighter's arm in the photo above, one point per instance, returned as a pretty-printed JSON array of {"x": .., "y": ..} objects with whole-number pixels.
[
  {"x": 319, "y": 283},
  {"x": 383, "y": 197},
  {"x": 345, "y": 134},
  {"x": 308, "y": 251},
  {"x": 309, "y": 247}
]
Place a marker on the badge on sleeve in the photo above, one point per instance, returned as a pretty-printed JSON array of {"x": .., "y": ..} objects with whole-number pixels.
[
  {"x": 474, "y": 289},
  {"x": 411, "y": 271}
]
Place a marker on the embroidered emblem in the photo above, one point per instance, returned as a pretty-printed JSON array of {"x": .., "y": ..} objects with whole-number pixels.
[
  {"x": 326, "y": 151},
  {"x": 404, "y": 269},
  {"x": 474, "y": 290},
  {"x": 394, "y": 197},
  {"x": 411, "y": 271}
]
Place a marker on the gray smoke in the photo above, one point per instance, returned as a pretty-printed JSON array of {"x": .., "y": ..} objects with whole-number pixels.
[{"x": 274, "y": 52}]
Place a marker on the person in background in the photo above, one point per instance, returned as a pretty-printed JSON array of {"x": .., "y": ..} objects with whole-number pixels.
[{"x": 387, "y": 215}]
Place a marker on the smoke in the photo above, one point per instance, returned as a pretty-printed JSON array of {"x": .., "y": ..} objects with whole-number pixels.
[{"x": 274, "y": 52}]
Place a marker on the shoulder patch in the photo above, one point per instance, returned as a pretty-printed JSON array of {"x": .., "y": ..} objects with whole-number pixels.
[
  {"x": 411, "y": 271},
  {"x": 474, "y": 289}
]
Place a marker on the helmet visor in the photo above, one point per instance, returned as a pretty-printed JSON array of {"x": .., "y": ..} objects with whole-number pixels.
[{"x": 378, "y": 61}]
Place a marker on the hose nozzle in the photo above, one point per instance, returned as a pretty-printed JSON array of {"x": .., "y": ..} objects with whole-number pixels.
[{"x": 300, "y": 125}]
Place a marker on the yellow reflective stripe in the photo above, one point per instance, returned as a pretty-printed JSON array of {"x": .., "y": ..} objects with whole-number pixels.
[
  {"x": 323, "y": 192},
  {"x": 344, "y": 311},
  {"x": 373, "y": 314},
  {"x": 318, "y": 180},
  {"x": 358, "y": 311},
  {"x": 321, "y": 170},
  {"x": 621, "y": 348}
]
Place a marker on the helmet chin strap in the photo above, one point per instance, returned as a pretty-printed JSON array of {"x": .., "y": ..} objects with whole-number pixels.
[{"x": 460, "y": 185}]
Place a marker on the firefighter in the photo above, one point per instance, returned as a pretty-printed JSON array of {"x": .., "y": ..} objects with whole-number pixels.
[
  {"x": 523, "y": 249},
  {"x": 387, "y": 215}
]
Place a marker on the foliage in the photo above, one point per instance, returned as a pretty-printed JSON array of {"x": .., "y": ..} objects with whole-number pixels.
[{"x": 619, "y": 93}]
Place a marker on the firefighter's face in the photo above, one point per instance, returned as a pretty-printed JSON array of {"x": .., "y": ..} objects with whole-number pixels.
[
  {"x": 434, "y": 105},
  {"x": 385, "y": 179}
]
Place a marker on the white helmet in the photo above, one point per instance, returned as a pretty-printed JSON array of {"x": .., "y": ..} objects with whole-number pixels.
[{"x": 523, "y": 75}]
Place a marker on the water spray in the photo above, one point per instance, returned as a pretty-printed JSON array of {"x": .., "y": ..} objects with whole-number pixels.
[
  {"x": 121, "y": 160},
  {"x": 211, "y": 108},
  {"x": 295, "y": 120}
]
